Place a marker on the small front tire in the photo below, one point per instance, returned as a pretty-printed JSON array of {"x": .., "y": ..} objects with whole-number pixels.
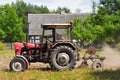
[{"x": 17, "y": 65}]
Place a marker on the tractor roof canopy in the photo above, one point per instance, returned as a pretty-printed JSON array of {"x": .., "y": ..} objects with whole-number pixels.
[
  {"x": 58, "y": 26},
  {"x": 58, "y": 31}
]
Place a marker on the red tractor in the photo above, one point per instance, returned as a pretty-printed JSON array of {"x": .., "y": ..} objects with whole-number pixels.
[{"x": 55, "y": 48}]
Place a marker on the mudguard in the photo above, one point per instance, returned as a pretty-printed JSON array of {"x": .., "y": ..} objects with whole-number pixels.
[
  {"x": 20, "y": 56},
  {"x": 65, "y": 43}
]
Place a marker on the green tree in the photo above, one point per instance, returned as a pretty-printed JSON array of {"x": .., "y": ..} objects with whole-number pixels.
[
  {"x": 102, "y": 26},
  {"x": 94, "y": 5},
  {"x": 59, "y": 10},
  {"x": 109, "y": 22},
  {"x": 10, "y": 24},
  {"x": 111, "y": 5},
  {"x": 23, "y": 9},
  {"x": 37, "y": 9},
  {"x": 82, "y": 30},
  {"x": 2, "y": 33}
]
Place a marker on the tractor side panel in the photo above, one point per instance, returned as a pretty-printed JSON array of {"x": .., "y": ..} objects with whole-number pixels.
[
  {"x": 19, "y": 46},
  {"x": 32, "y": 45}
]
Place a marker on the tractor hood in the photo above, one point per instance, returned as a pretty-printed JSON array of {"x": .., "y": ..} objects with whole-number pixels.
[{"x": 18, "y": 46}]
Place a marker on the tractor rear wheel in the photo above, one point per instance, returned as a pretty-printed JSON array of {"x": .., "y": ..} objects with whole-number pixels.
[
  {"x": 17, "y": 64},
  {"x": 63, "y": 58}
]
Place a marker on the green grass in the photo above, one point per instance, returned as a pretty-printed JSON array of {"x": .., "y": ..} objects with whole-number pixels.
[
  {"x": 76, "y": 74},
  {"x": 6, "y": 53},
  {"x": 2, "y": 46}
]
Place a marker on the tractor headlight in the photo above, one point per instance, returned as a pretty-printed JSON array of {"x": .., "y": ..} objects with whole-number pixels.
[{"x": 16, "y": 49}]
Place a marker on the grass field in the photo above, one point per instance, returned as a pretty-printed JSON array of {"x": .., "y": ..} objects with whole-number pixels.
[
  {"x": 6, "y": 53},
  {"x": 47, "y": 74},
  {"x": 76, "y": 74}
]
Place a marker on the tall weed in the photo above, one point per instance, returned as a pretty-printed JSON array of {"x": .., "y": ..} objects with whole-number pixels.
[{"x": 2, "y": 46}]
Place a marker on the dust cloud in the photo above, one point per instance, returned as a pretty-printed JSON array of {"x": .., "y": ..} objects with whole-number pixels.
[{"x": 112, "y": 55}]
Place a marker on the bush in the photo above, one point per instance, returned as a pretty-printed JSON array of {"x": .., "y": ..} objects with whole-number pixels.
[{"x": 2, "y": 46}]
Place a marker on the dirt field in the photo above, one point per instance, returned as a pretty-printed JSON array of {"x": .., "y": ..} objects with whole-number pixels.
[
  {"x": 109, "y": 63},
  {"x": 4, "y": 64},
  {"x": 112, "y": 55}
]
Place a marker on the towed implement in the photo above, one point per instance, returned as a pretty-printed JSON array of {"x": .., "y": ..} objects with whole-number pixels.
[{"x": 97, "y": 61}]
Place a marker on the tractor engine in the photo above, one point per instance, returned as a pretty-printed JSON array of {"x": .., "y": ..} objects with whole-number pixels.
[{"x": 29, "y": 50}]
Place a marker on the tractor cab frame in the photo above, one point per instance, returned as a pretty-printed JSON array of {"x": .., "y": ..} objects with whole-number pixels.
[{"x": 55, "y": 28}]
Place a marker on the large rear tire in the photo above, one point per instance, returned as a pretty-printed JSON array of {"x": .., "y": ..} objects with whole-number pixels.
[
  {"x": 63, "y": 58},
  {"x": 17, "y": 65}
]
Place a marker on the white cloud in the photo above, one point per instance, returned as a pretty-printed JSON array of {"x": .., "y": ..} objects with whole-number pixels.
[{"x": 84, "y": 5}]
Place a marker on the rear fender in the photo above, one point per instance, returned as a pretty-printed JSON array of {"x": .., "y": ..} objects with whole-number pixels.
[
  {"x": 20, "y": 56},
  {"x": 66, "y": 44}
]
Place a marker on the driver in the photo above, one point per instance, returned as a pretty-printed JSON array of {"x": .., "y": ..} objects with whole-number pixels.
[{"x": 59, "y": 37}]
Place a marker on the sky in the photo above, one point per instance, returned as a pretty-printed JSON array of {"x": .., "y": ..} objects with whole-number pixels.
[{"x": 84, "y": 5}]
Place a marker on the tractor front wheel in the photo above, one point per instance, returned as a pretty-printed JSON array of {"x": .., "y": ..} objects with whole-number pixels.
[
  {"x": 17, "y": 64},
  {"x": 63, "y": 58}
]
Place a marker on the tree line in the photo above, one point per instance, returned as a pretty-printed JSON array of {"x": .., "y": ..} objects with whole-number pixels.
[{"x": 103, "y": 25}]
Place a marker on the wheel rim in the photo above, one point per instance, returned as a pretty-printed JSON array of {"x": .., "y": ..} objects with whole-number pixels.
[
  {"x": 63, "y": 59},
  {"x": 17, "y": 66},
  {"x": 98, "y": 66}
]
